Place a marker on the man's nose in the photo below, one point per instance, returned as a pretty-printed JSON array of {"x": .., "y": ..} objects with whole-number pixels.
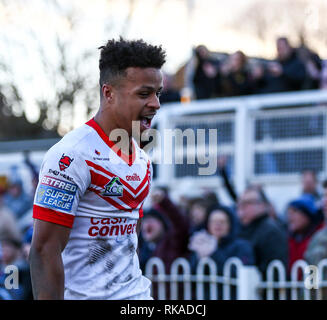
[{"x": 154, "y": 103}]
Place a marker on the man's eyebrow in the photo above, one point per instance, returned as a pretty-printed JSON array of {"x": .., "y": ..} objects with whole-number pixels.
[{"x": 150, "y": 88}]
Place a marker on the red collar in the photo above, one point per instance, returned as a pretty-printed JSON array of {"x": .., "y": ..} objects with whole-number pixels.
[{"x": 129, "y": 159}]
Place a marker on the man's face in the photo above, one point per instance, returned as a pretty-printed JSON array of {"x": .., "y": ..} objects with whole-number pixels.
[
  {"x": 152, "y": 229},
  {"x": 249, "y": 207},
  {"x": 284, "y": 50},
  {"x": 136, "y": 98},
  {"x": 297, "y": 221},
  {"x": 197, "y": 214},
  {"x": 309, "y": 182}
]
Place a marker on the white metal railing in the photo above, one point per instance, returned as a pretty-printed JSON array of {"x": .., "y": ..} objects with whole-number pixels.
[
  {"x": 246, "y": 281},
  {"x": 242, "y": 113},
  {"x": 267, "y": 138}
]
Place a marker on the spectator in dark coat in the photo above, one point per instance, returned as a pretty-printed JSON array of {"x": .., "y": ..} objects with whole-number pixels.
[
  {"x": 206, "y": 74},
  {"x": 317, "y": 247},
  {"x": 304, "y": 220},
  {"x": 267, "y": 237},
  {"x": 313, "y": 66},
  {"x": 287, "y": 73},
  {"x": 16, "y": 199},
  {"x": 235, "y": 76},
  {"x": 309, "y": 184},
  {"x": 219, "y": 240},
  {"x": 197, "y": 214},
  {"x": 164, "y": 231},
  {"x": 169, "y": 93},
  {"x": 12, "y": 255},
  {"x": 222, "y": 170}
]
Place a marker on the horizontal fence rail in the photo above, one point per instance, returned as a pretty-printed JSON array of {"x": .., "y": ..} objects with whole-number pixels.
[{"x": 237, "y": 281}]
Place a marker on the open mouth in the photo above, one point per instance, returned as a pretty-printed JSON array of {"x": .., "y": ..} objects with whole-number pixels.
[{"x": 146, "y": 121}]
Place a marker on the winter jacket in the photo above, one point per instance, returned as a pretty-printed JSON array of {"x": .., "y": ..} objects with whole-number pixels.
[
  {"x": 174, "y": 242},
  {"x": 268, "y": 240}
]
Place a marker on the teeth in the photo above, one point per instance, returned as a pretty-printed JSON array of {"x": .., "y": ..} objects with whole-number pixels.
[{"x": 149, "y": 117}]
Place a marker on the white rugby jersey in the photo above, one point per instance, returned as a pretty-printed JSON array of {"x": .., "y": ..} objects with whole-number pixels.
[{"x": 88, "y": 185}]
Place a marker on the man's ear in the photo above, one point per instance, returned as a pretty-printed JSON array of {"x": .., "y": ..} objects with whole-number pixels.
[{"x": 107, "y": 91}]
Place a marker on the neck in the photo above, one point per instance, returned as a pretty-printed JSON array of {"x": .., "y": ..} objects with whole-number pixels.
[{"x": 108, "y": 126}]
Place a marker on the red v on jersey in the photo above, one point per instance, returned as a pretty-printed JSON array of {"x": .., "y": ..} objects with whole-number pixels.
[
  {"x": 132, "y": 198},
  {"x": 135, "y": 191},
  {"x": 129, "y": 159}
]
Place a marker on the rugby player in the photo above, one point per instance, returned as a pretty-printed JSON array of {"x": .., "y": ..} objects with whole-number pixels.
[{"x": 88, "y": 203}]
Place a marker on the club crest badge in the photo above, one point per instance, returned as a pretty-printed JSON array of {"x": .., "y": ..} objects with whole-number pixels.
[{"x": 65, "y": 162}]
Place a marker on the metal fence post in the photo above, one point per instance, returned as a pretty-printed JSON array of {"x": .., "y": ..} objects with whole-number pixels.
[
  {"x": 241, "y": 147},
  {"x": 249, "y": 280}
]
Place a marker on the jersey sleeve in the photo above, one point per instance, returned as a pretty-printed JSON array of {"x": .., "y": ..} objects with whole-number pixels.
[{"x": 63, "y": 179}]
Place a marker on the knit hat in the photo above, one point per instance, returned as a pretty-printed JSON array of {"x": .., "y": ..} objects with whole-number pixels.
[{"x": 306, "y": 205}]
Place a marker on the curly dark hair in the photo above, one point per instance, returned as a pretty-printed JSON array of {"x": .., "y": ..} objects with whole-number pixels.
[{"x": 118, "y": 55}]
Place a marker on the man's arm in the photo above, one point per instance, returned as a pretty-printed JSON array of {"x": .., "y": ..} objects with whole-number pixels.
[
  {"x": 138, "y": 227},
  {"x": 47, "y": 271}
]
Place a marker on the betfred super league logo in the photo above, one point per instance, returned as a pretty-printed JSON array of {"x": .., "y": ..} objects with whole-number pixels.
[{"x": 64, "y": 162}]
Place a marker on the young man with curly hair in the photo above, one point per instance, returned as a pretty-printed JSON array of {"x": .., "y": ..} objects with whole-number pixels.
[{"x": 88, "y": 203}]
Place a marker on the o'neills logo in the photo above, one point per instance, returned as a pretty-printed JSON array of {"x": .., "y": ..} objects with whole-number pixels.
[{"x": 134, "y": 177}]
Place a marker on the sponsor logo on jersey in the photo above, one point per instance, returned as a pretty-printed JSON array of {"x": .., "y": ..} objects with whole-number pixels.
[
  {"x": 97, "y": 152},
  {"x": 59, "y": 184},
  {"x": 134, "y": 177},
  {"x": 65, "y": 162},
  {"x": 118, "y": 227},
  {"x": 56, "y": 173},
  {"x": 101, "y": 159},
  {"x": 113, "y": 188},
  {"x": 56, "y": 194}
]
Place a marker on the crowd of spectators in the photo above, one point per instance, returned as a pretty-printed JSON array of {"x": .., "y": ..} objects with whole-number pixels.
[
  {"x": 208, "y": 75},
  {"x": 250, "y": 229},
  {"x": 16, "y": 228}
]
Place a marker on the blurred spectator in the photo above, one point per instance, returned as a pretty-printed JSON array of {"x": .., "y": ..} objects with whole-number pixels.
[
  {"x": 8, "y": 223},
  {"x": 304, "y": 220},
  {"x": 287, "y": 73},
  {"x": 309, "y": 184},
  {"x": 317, "y": 247},
  {"x": 222, "y": 170},
  {"x": 12, "y": 255},
  {"x": 27, "y": 240},
  {"x": 323, "y": 75},
  {"x": 164, "y": 231},
  {"x": 169, "y": 93},
  {"x": 235, "y": 77},
  {"x": 205, "y": 74},
  {"x": 33, "y": 170},
  {"x": 16, "y": 199},
  {"x": 266, "y": 236},
  {"x": 313, "y": 66},
  {"x": 219, "y": 240},
  {"x": 197, "y": 214}
]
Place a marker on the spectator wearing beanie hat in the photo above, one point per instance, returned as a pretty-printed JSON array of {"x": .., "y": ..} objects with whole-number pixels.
[{"x": 304, "y": 220}]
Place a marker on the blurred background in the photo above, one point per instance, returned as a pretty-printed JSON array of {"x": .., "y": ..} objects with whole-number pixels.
[{"x": 255, "y": 70}]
